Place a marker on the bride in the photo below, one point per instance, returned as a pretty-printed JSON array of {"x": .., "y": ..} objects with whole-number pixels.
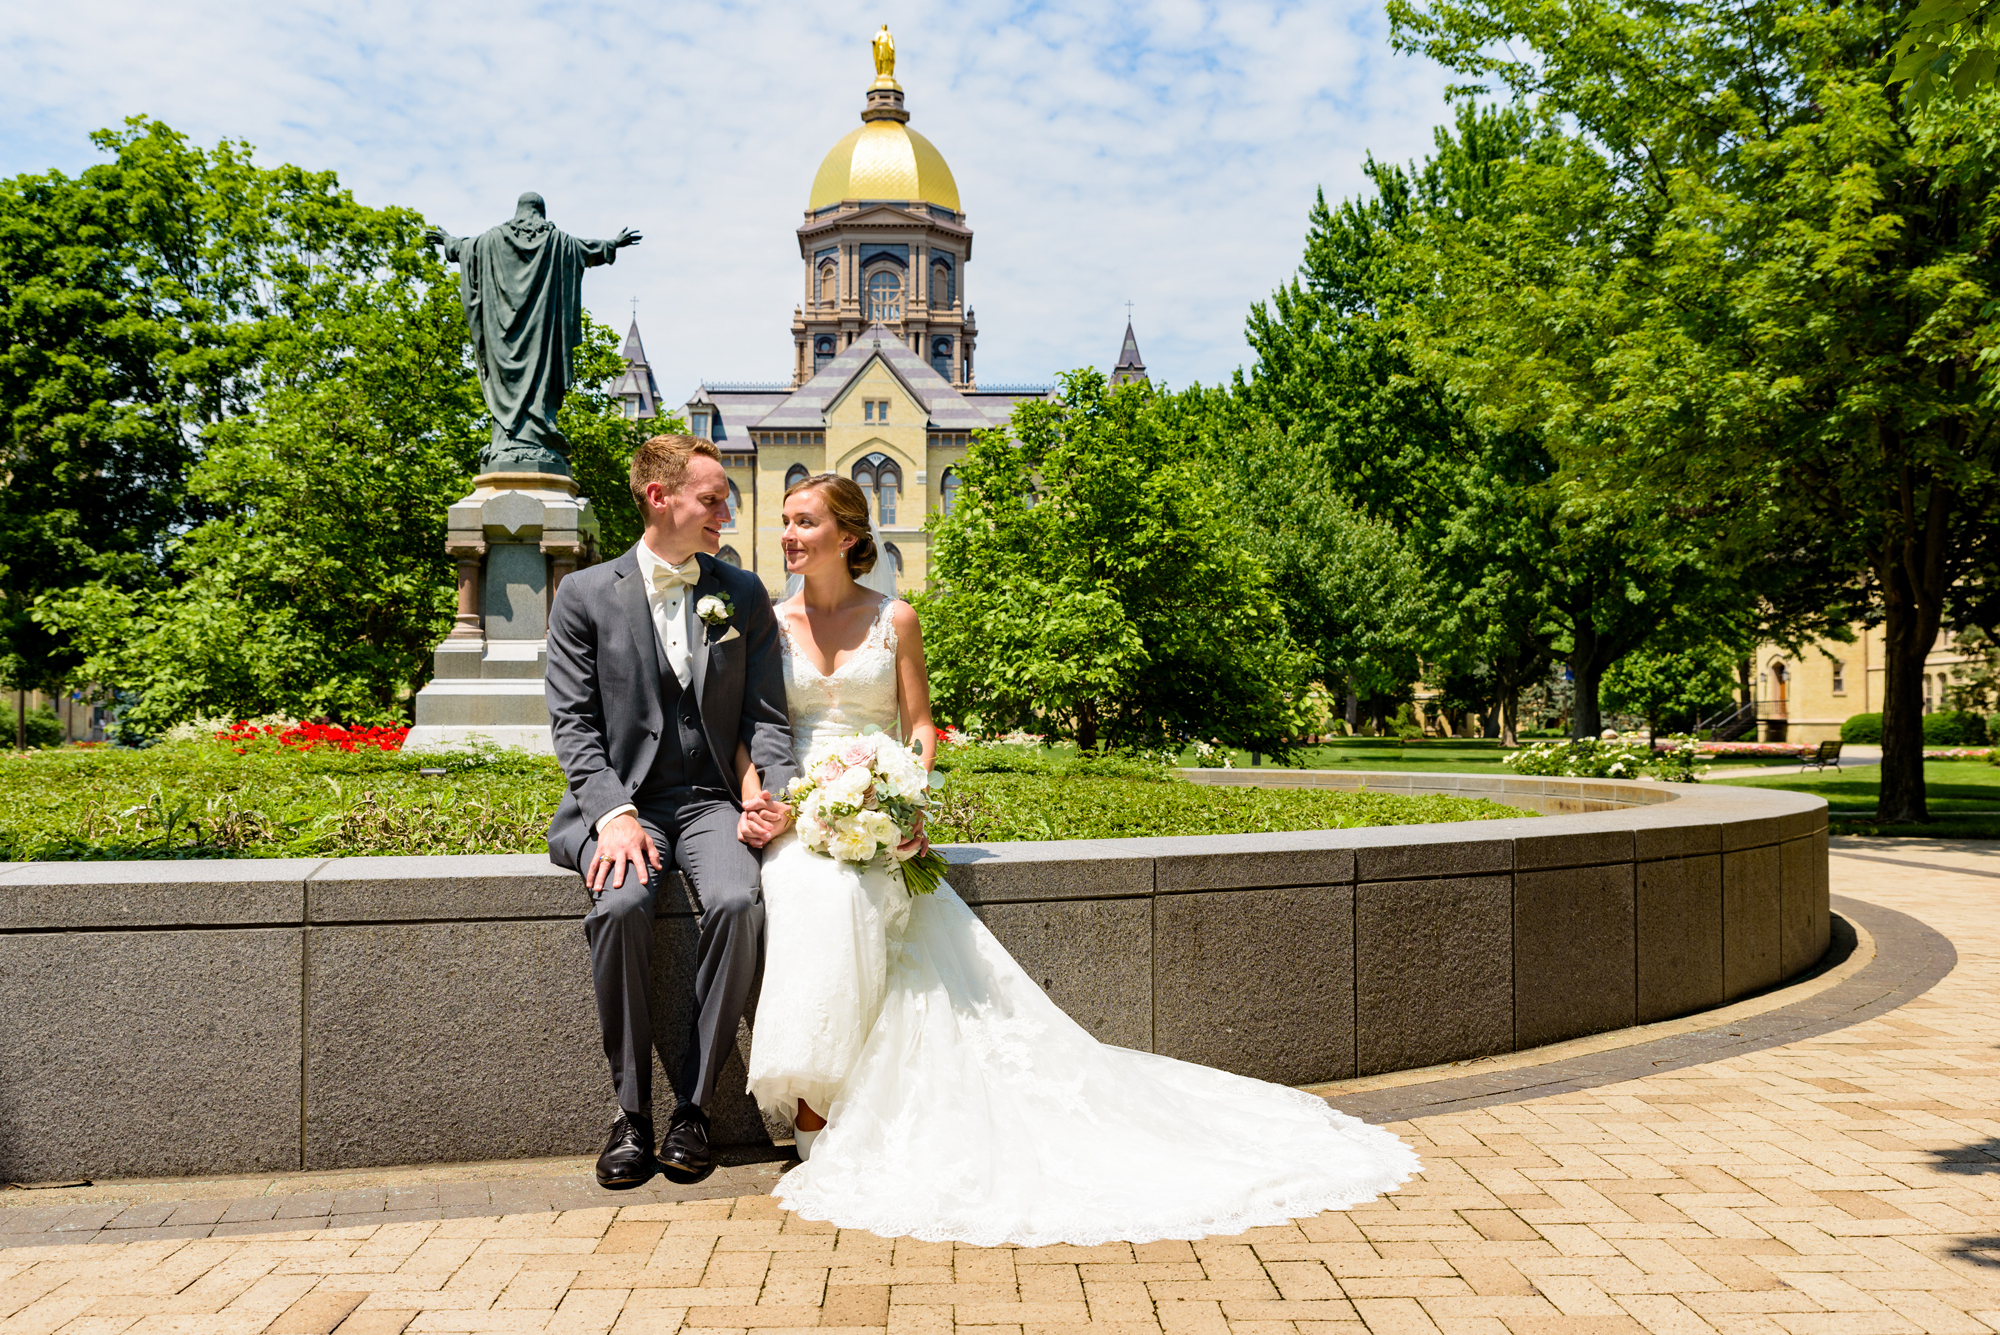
[{"x": 937, "y": 1092}]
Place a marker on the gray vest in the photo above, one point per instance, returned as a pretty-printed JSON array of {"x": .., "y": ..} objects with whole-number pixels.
[{"x": 683, "y": 760}]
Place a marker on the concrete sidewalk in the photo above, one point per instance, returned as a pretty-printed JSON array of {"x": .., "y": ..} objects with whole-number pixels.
[{"x": 1843, "y": 1181}]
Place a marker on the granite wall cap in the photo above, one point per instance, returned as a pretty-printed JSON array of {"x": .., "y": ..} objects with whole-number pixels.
[
  {"x": 217, "y": 892},
  {"x": 1571, "y": 841},
  {"x": 1244, "y": 862},
  {"x": 1056, "y": 869},
  {"x": 451, "y": 887}
]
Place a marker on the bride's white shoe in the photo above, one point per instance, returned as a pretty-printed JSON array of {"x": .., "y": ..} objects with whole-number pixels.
[{"x": 804, "y": 1140}]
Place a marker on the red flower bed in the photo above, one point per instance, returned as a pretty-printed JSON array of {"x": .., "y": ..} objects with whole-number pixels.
[{"x": 309, "y": 736}]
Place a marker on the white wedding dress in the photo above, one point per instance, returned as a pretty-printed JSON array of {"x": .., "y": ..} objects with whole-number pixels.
[{"x": 961, "y": 1103}]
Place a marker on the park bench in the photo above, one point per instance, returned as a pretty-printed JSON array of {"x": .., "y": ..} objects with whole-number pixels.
[{"x": 1826, "y": 753}]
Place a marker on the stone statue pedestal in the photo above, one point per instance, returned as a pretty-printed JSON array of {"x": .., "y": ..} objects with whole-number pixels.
[{"x": 515, "y": 537}]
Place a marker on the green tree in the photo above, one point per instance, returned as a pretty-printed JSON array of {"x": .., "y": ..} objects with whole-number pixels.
[
  {"x": 129, "y": 316},
  {"x": 303, "y": 386},
  {"x": 1754, "y": 288},
  {"x": 318, "y": 583},
  {"x": 1949, "y": 48},
  {"x": 1094, "y": 582}
]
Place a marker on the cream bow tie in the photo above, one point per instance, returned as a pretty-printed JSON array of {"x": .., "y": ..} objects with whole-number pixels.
[{"x": 666, "y": 576}]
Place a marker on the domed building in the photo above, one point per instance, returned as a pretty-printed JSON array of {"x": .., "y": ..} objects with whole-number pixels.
[{"x": 882, "y": 387}]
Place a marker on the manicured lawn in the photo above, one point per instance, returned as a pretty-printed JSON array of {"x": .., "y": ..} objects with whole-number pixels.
[
  {"x": 1466, "y": 755},
  {"x": 1964, "y": 797},
  {"x": 203, "y": 800}
]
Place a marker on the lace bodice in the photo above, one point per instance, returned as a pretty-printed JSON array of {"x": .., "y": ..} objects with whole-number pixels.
[{"x": 858, "y": 693}]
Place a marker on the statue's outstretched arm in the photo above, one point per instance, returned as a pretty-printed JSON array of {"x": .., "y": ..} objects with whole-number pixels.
[
  {"x": 437, "y": 236},
  {"x": 606, "y": 252}
]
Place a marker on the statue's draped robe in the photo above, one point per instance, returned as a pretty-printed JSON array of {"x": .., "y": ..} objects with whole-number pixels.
[{"x": 522, "y": 287}]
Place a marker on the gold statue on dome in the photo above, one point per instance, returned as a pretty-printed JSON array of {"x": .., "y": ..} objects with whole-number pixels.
[{"x": 885, "y": 59}]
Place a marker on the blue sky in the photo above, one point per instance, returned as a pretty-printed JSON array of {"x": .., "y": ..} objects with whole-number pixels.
[{"x": 1156, "y": 151}]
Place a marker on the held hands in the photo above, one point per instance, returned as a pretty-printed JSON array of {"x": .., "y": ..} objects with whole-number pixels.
[
  {"x": 764, "y": 818},
  {"x": 622, "y": 841}
]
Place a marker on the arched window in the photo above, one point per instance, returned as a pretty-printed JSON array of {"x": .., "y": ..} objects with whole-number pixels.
[
  {"x": 885, "y": 297},
  {"x": 735, "y": 505},
  {"x": 729, "y": 554},
  {"x": 794, "y": 475},
  {"x": 823, "y": 352},
  {"x": 948, "y": 489},
  {"x": 880, "y": 480},
  {"x": 941, "y": 357},
  {"x": 940, "y": 286},
  {"x": 829, "y": 285},
  {"x": 895, "y": 560}
]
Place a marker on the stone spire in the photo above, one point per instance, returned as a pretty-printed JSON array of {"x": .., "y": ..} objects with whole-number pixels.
[
  {"x": 637, "y": 386},
  {"x": 1131, "y": 366}
]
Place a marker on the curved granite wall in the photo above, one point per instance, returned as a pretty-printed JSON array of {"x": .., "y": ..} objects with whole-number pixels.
[{"x": 235, "y": 1016}]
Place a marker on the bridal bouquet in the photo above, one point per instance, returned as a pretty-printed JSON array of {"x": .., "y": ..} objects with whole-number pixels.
[{"x": 859, "y": 798}]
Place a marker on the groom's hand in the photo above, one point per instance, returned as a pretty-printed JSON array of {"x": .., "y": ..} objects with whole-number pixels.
[{"x": 621, "y": 841}]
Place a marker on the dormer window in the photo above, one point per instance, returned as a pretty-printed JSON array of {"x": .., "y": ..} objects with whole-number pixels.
[{"x": 874, "y": 410}]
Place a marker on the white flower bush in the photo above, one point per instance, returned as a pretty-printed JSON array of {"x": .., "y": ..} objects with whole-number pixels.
[{"x": 1611, "y": 756}]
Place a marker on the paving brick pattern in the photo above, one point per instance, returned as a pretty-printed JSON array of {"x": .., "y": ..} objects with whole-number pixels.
[{"x": 1842, "y": 1183}]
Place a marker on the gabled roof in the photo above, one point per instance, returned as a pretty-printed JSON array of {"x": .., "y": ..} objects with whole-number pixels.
[{"x": 945, "y": 407}]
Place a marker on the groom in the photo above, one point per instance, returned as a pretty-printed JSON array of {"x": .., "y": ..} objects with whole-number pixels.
[{"x": 661, "y": 664}]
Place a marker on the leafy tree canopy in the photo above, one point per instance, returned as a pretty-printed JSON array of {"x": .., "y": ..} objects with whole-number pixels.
[{"x": 1094, "y": 582}]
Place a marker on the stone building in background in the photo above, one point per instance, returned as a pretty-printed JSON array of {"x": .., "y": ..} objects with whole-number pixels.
[
  {"x": 1805, "y": 697},
  {"x": 882, "y": 386}
]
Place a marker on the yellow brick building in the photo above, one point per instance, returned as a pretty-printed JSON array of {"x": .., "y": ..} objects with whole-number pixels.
[
  {"x": 882, "y": 386},
  {"x": 1805, "y": 697}
]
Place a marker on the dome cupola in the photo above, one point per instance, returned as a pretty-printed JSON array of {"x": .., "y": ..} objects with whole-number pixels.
[{"x": 884, "y": 161}]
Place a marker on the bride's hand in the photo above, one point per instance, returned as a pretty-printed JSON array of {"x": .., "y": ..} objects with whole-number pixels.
[{"x": 917, "y": 844}]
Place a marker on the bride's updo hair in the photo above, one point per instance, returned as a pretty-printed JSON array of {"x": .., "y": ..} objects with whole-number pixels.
[{"x": 848, "y": 505}]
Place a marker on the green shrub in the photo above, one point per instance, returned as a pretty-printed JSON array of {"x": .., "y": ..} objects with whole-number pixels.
[
  {"x": 201, "y": 799},
  {"x": 1862, "y": 730},
  {"x": 44, "y": 729},
  {"x": 1954, "y": 727}
]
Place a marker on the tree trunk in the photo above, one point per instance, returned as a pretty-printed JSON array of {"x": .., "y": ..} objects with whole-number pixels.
[
  {"x": 1086, "y": 727},
  {"x": 1585, "y": 720},
  {"x": 1353, "y": 714},
  {"x": 1913, "y": 579},
  {"x": 21, "y": 721},
  {"x": 1909, "y": 632},
  {"x": 1509, "y": 723}
]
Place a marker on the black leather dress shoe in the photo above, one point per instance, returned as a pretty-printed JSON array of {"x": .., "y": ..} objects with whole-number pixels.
[
  {"x": 628, "y": 1159},
  {"x": 685, "y": 1155}
]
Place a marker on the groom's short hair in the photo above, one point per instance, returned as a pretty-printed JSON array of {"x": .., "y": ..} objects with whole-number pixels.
[{"x": 664, "y": 459}]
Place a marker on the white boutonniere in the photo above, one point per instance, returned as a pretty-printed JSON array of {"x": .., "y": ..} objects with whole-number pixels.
[{"x": 716, "y": 609}]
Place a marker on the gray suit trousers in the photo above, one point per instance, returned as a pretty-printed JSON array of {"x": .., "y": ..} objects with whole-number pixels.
[{"x": 695, "y": 830}]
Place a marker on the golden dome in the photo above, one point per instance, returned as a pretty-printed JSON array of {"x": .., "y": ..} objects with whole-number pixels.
[{"x": 884, "y": 159}]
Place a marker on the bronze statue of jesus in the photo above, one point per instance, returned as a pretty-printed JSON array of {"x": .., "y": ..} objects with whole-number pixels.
[{"x": 521, "y": 285}]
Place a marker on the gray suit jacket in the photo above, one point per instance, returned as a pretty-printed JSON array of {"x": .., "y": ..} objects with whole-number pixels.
[{"x": 603, "y": 688}]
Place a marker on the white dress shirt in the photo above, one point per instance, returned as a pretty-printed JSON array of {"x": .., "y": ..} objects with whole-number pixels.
[{"x": 667, "y": 599}]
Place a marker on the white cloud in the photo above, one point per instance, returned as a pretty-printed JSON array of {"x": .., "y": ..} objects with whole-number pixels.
[{"x": 1159, "y": 151}]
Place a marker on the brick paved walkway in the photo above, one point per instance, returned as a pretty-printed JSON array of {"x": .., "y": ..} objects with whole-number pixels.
[{"x": 1841, "y": 1183}]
